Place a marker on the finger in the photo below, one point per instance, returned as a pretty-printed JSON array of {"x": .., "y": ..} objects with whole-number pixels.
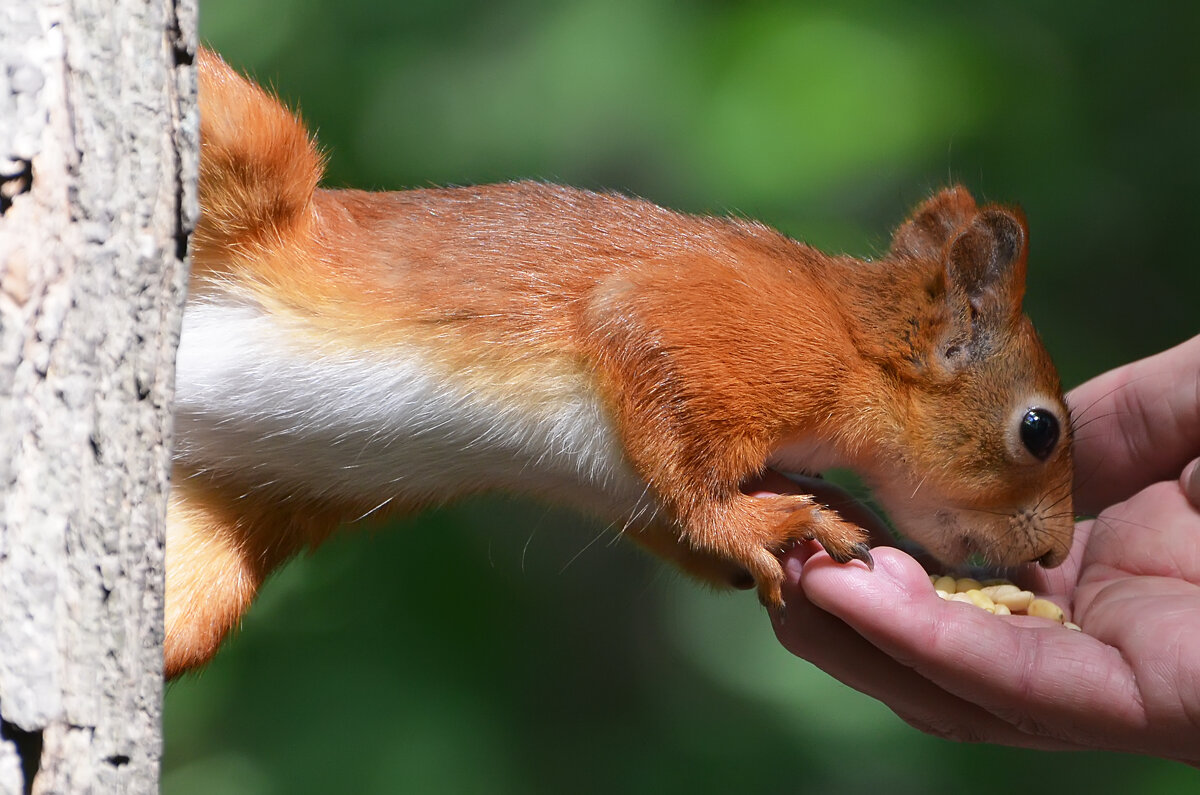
[
  {"x": 828, "y": 643},
  {"x": 1042, "y": 679},
  {"x": 1190, "y": 481},
  {"x": 1152, "y": 534},
  {"x": 1135, "y": 425}
]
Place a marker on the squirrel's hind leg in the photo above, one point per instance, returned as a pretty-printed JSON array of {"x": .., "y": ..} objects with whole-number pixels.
[{"x": 221, "y": 545}]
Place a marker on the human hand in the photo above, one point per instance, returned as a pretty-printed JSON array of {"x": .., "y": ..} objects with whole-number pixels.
[{"x": 1130, "y": 681}]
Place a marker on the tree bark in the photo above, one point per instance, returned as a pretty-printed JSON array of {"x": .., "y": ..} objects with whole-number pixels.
[{"x": 98, "y": 152}]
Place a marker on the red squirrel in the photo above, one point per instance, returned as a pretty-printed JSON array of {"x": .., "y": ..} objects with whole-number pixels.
[{"x": 347, "y": 353}]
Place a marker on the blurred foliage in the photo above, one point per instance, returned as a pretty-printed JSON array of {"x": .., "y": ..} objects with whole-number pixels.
[{"x": 499, "y": 647}]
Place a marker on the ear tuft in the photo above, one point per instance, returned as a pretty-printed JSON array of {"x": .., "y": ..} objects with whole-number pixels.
[{"x": 934, "y": 224}]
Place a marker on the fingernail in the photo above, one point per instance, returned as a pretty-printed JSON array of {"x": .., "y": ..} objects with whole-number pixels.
[
  {"x": 1190, "y": 482},
  {"x": 792, "y": 567}
]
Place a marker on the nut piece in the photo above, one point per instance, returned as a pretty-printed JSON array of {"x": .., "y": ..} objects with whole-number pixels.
[
  {"x": 945, "y": 583},
  {"x": 965, "y": 584},
  {"x": 997, "y": 590},
  {"x": 1044, "y": 608},
  {"x": 1016, "y": 600},
  {"x": 980, "y": 599},
  {"x": 1000, "y": 597}
]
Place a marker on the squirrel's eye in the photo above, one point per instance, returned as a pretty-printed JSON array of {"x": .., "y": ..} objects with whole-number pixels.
[{"x": 1039, "y": 433}]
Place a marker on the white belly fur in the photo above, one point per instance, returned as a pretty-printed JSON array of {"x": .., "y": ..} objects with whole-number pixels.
[{"x": 333, "y": 420}]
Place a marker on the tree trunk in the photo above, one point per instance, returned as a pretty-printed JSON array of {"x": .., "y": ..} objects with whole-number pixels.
[{"x": 98, "y": 143}]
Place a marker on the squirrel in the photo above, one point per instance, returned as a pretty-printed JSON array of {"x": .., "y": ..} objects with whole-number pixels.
[{"x": 347, "y": 353}]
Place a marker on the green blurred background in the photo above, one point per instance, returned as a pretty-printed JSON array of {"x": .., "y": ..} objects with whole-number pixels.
[{"x": 501, "y": 647}]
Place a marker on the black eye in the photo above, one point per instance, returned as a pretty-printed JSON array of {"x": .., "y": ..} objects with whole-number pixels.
[{"x": 1039, "y": 433}]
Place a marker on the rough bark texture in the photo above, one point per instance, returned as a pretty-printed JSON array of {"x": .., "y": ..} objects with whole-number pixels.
[{"x": 97, "y": 196}]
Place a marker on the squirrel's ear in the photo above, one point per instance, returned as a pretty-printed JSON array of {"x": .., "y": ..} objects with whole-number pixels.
[
  {"x": 925, "y": 234},
  {"x": 985, "y": 264},
  {"x": 984, "y": 269}
]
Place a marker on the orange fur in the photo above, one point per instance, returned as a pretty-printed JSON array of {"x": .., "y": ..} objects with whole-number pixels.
[{"x": 715, "y": 344}]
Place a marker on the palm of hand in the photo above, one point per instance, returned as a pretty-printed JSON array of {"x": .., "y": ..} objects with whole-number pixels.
[
  {"x": 1138, "y": 597},
  {"x": 1130, "y": 681}
]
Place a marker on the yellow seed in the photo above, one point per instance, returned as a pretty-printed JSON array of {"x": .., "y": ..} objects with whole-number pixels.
[
  {"x": 998, "y": 596},
  {"x": 1072, "y": 625},
  {"x": 1000, "y": 589},
  {"x": 980, "y": 599},
  {"x": 1017, "y": 602},
  {"x": 967, "y": 584},
  {"x": 1044, "y": 608},
  {"x": 945, "y": 583}
]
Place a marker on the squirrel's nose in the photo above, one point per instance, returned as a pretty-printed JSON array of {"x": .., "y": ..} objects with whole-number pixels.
[{"x": 1051, "y": 558}]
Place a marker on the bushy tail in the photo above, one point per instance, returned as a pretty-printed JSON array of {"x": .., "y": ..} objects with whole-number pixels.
[{"x": 258, "y": 168}]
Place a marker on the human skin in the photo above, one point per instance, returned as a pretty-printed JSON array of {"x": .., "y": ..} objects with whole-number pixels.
[{"x": 1130, "y": 681}]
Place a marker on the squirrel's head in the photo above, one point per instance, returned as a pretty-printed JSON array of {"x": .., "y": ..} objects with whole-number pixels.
[{"x": 977, "y": 462}]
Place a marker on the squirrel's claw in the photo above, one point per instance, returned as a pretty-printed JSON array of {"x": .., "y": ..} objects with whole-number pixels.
[{"x": 857, "y": 551}]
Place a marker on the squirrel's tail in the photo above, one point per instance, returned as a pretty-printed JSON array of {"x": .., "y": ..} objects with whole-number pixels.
[{"x": 258, "y": 168}]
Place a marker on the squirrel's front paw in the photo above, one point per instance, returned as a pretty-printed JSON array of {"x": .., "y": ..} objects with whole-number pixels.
[
  {"x": 801, "y": 518},
  {"x": 761, "y": 529},
  {"x": 767, "y": 570}
]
